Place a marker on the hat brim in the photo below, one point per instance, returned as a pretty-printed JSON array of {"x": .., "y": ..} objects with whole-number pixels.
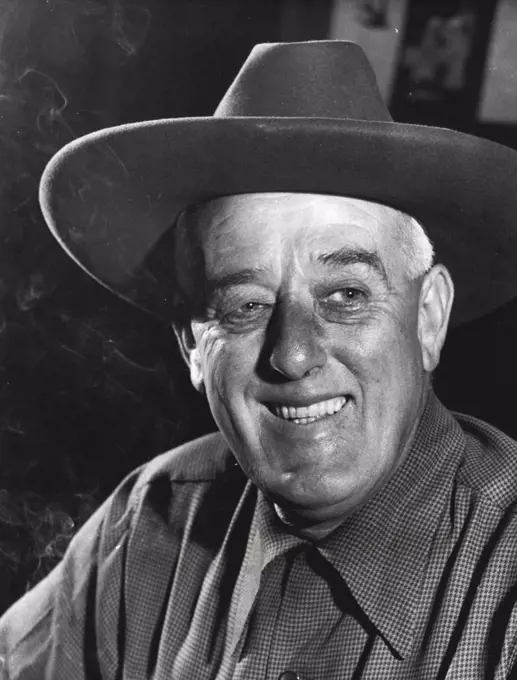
[{"x": 110, "y": 197}]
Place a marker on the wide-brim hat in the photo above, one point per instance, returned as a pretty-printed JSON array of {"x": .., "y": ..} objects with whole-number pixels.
[{"x": 299, "y": 117}]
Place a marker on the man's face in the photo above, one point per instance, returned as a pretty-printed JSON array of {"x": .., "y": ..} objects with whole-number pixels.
[{"x": 307, "y": 345}]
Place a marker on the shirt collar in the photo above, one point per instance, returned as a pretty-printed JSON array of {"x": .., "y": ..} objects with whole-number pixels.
[
  {"x": 267, "y": 540},
  {"x": 381, "y": 550}
]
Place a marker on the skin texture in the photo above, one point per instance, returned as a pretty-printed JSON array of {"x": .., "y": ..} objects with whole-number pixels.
[{"x": 307, "y": 298}]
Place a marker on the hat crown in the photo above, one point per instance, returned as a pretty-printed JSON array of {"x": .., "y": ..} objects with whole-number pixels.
[{"x": 319, "y": 79}]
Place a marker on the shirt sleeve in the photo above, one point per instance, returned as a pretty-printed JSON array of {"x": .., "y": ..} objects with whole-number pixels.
[{"x": 53, "y": 631}]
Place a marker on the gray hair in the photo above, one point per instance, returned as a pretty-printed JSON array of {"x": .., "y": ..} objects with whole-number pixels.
[{"x": 417, "y": 249}]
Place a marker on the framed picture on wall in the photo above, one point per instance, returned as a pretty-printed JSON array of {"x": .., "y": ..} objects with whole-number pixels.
[
  {"x": 498, "y": 101},
  {"x": 441, "y": 61}
]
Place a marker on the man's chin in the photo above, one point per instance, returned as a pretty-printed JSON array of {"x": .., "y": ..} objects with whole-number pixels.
[{"x": 314, "y": 500}]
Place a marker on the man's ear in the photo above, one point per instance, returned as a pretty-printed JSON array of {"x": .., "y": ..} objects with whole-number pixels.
[
  {"x": 434, "y": 310},
  {"x": 190, "y": 353}
]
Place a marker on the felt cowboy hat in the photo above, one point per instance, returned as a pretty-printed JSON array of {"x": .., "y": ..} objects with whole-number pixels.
[{"x": 299, "y": 117}]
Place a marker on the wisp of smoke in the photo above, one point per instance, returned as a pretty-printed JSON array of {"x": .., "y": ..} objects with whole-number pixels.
[{"x": 35, "y": 533}]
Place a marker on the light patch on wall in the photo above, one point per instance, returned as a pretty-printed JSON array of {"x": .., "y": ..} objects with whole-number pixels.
[
  {"x": 498, "y": 103},
  {"x": 376, "y": 25}
]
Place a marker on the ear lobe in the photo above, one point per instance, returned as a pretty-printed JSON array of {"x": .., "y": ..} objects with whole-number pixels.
[
  {"x": 435, "y": 304},
  {"x": 190, "y": 353}
]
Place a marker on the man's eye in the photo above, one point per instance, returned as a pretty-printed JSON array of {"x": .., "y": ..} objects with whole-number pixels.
[
  {"x": 250, "y": 307},
  {"x": 246, "y": 312},
  {"x": 347, "y": 296}
]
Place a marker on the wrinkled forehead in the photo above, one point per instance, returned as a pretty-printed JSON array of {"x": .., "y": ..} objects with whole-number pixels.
[
  {"x": 262, "y": 229},
  {"x": 211, "y": 212},
  {"x": 232, "y": 216}
]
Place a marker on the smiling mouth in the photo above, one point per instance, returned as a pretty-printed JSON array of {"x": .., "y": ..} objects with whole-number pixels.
[{"x": 303, "y": 415}]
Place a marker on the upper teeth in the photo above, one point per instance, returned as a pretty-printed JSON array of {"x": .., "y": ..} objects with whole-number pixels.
[{"x": 322, "y": 408}]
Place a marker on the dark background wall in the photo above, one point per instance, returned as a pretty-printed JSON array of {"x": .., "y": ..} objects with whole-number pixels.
[{"x": 89, "y": 386}]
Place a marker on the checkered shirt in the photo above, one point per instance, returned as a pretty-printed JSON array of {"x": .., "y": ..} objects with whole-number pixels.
[{"x": 186, "y": 573}]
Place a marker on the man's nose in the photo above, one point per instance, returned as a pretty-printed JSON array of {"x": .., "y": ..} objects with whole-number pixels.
[{"x": 296, "y": 341}]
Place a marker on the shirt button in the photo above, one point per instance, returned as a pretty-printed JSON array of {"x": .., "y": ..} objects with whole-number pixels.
[{"x": 288, "y": 675}]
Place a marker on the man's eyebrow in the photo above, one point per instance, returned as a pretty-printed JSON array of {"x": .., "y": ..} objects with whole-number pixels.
[
  {"x": 346, "y": 256},
  {"x": 237, "y": 278}
]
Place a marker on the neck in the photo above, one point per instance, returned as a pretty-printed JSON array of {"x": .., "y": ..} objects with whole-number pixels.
[{"x": 312, "y": 532}]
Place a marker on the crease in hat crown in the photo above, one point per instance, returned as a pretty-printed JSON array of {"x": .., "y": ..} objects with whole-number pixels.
[{"x": 317, "y": 79}]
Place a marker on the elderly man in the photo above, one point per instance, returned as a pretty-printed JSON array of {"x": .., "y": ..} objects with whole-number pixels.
[{"x": 342, "y": 523}]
